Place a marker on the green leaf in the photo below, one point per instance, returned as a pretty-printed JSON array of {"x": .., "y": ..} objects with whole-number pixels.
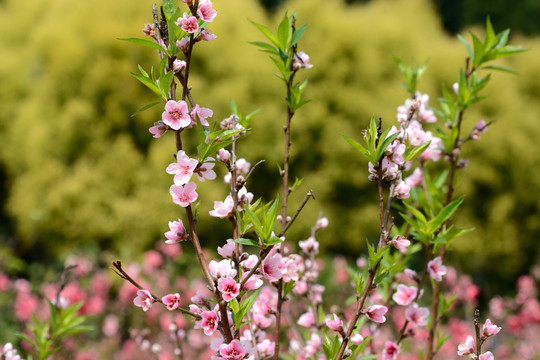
[
  {"x": 266, "y": 32},
  {"x": 298, "y": 33},
  {"x": 384, "y": 144},
  {"x": 443, "y": 215},
  {"x": 165, "y": 83},
  {"x": 266, "y": 47},
  {"x": 272, "y": 241},
  {"x": 284, "y": 33},
  {"x": 359, "y": 147},
  {"x": 499, "y": 68},
  {"x": 412, "y": 152},
  {"x": 417, "y": 214},
  {"x": 148, "y": 83},
  {"x": 170, "y": 7},
  {"x": 249, "y": 242},
  {"x": 270, "y": 221},
  {"x": 244, "y": 308},
  {"x": 144, "y": 42},
  {"x": 146, "y": 107},
  {"x": 235, "y": 307}
]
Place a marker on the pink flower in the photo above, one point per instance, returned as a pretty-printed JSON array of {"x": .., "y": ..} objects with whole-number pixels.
[
  {"x": 480, "y": 128},
  {"x": 188, "y": 23},
  {"x": 205, "y": 11},
  {"x": 205, "y": 170},
  {"x": 183, "y": 44},
  {"x": 417, "y": 315},
  {"x": 254, "y": 282},
  {"x": 436, "y": 269},
  {"x": 229, "y": 288},
  {"x": 182, "y": 169},
  {"x": 234, "y": 350},
  {"x": 468, "y": 347},
  {"x": 144, "y": 299},
  {"x": 158, "y": 129},
  {"x": 223, "y": 209},
  {"x": 149, "y": 29},
  {"x": 244, "y": 198},
  {"x": 357, "y": 339},
  {"x": 311, "y": 245},
  {"x": 306, "y": 319},
  {"x": 202, "y": 113},
  {"x": 176, "y": 114},
  {"x": 223, "y": 155},
  {"x": 209, "y": 322},
  {"x": 400, "y": 243},
  {"x": 172, "y": 301},
  {"x": 404, "y": 294},
  {"x": 376, "y": 313},
  {"x": 271, "y": 268},
  {"x": 177, "y": 232},
  {"x": 391, "y": 351},
  {"x": 206, "y": 35},
  {"x": 402, "y": 190},
  {"x": 321, "y": 223},
  {"x": 415, "y": 179},
  {"x": 490, "y": 329},
  {"x": 227, "y": 250},
  {"x": 221, "y": 269},
  {"x": 178, "y": 65},
  {"x": 301, "y": 61},
  {"x": 486, "y": 356},
  {"x": 184, "y": 195},
  {"x": 335, "y": 323}
]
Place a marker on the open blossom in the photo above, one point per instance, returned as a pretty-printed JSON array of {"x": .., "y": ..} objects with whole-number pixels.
[
  {"x": 176, "y": 115},
  {"x": 209, "y": 322},
  {"x": 205, "y": 11},
  {"x": 158, "y": 129},
  {"x": 184, "y": 195},
  {"x": 334, "y": 323},
  {"x": 271, "y": 268},
  {"x": 306, "y": 319},
  {"x": 206, "y": 170},
  {"x": 400, "y": 243},
  {"x": 311, "y": 245},
  {"x": 202, "y": 114},
  {"x": 244, "y": 198},
  {"x": 436, "y": 269},
  {"x": 356, "y": 339},
  {"x": 9, "y": 352},
  {"x": 183, "y": 44},
  {"x": 490, "y": 329},
  {"x": 417, "y": 315},
  {"x": 415, "y": 179},
  {"x": 144, "y": 299},
  {"x": 402, "y": 190},
  {"x": 234, "y": 350},
  {"x": 468, "y": 347},
  {"x": 301, "y": 61},
  {"x": 223, "y": 209},
  {"x": 254, "y": 282},
  {"x": 177, "y": 232},
  {"x": 227, "y": 250},
  {"x": 224, "y": 268},
  {"x": 404, "y": 294},
  {"x": 486, "y": 356},
  {"x": 172, "y": 301},
  {"x": 188, "y": 23},
  {"x": 206, "y": 35},
  {"x": 376, "y": 313},
  {"x": 182, "y": 169},
  {"x": 391, "y": 351},
  {"x": 229, "y": 288}
]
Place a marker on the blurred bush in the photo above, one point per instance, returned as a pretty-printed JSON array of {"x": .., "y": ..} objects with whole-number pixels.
[{"x": 82, "y": 174}]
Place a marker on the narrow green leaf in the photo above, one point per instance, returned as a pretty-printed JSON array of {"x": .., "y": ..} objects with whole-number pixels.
[
  {"x": 148, "y": 83},
  {"x": 144, "y": 42},
  {"x": 266, "y": 32},
  {"x": 266, "y": 47},
  {"x": 272, "y": 241},
  {"x": 245, "y": 241},
  {"x": 443, "y": 215},
  {"x": 298, "y": 33},
  {"x": 170, "y": 7},
  {"x": 417, "y": 214},
  {"x": 284, "y": 33},
  {"x": 499, "y": 68},
  {"x": 235, "y": 307},
  {"x": 146, "y": 107},
  {"x": 247, "y": 303},
  {"x": 412, "y": 152},
  {"x": 384, "y": 144}
]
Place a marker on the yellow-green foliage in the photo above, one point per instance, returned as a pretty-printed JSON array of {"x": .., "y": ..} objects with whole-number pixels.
[{"x": 81, "y": 170}]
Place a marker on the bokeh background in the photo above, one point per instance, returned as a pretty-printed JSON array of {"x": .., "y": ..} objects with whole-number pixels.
[{"x": 79, "y": 174}]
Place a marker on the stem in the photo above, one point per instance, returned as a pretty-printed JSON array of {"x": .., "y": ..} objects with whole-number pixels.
[{"x": 477, "y": 331}]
